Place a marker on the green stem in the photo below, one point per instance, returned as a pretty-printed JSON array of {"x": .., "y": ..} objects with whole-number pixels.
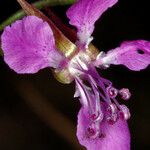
[{"x": 40, "y": 4}]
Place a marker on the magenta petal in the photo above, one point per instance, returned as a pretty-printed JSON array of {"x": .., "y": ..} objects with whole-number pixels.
[
  {"x": 84, "y": 13},
  {"x": 29, "y": 45},
  {"x": 117, "y": 136},
  {"x": 133, "y": 54}
]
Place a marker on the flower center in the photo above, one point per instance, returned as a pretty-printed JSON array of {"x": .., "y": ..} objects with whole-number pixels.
[{"x": 78, "y": 63}]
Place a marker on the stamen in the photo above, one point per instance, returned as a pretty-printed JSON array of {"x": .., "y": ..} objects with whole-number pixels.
[
  {"x": 124, "y": 112},
  {"x": 112, "y": 108},
  {"x": 104, "y": 96},
  {"x": 84, "y": 93},
  {"x": 101, "y": 84},
  {"x": 97, "y": 117},
  {"x": 125, "y": 93},
  {"x": 112, "y": 92},
  {"x": 116, "y": 103},
  {"x": 112, "y": 114},
  {"x": 96, "y": 93},
  {"x": 112, "y": 119},
  {"x": 93, "y": 131}
]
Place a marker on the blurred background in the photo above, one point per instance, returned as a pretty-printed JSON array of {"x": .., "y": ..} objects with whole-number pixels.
[{"x": 39, "y": 113}]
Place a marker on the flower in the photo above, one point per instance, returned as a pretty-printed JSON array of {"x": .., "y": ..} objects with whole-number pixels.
[{"x": 29, "y": 46}]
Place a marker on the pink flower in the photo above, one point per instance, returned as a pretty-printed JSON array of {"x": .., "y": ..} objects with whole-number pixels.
[{"x": 29, "y": 46}]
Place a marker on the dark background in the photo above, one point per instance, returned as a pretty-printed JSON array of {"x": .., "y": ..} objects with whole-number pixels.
[{"x": 22, "y": 127}]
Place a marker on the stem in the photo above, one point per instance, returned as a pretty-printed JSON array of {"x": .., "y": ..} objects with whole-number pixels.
[{"x": 40, "y": 5}]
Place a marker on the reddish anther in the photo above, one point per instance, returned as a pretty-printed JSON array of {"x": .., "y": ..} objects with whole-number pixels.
[
  {"x": 125, "y": 93},
  {"x": 112, "y": 92}
]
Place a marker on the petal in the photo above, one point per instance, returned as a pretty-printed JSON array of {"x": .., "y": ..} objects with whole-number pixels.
[
  {"x": 117, "y": 136},
  {"x": 84, "y": 13},
  {"x": 29, "y": 45},
  {"x": 135, "y": 55}
]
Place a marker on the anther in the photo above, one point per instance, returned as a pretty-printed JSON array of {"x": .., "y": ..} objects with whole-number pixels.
[
  {"x": 112, "y": 114},
  {"x": 112, "y": 92},
  {"x": 97, "y": 116},
  {"x": 125, "y": 93},
  {"x": 92, "y": 132},
  {"x": 124, "y": 112},
  {"x": 112, "y": 119}
]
